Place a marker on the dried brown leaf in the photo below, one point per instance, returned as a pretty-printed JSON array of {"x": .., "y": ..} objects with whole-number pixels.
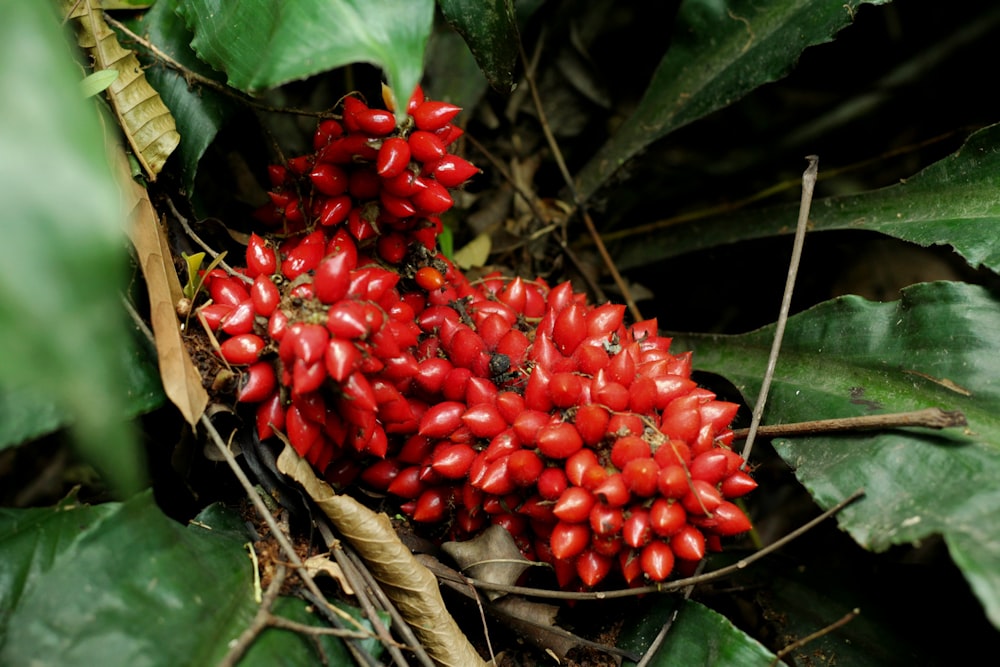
[
  {"x": 322, "y": 565},
  {"x": 491, "y": 556},
  {"x": 144, "y": 118},
  {"x": 181, "y": 380},
  {"x": 410, "y": 585}
]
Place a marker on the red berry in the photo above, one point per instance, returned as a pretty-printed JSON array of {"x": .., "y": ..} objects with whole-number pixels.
[
  {"x": 592, "y": 567},
  {"x": 657, "y": 560},
  {"x": 666, "y": 517},
  {"x": 574, "y": 505},
  {"x": 375, "y": 122},
  {"x": 240, "y": 319},
  {"x": 628, "y": 448},
  {"x": 265, "y": 295},
  {"x": 429, "y": 278},
  {"x": 260, "y": 258},
  {"x": 227, "y": 290},
  {"x": 640, "y": 476},
  {"x": 453, "y": 460},
  {"x": 484, "y": 420},
  {"x": 592, "y": 422},
  {"x": 569, "y": 539},
  {"x": 559, "y": 440},
  {"x": 637, "y": 531},
  {"x": 672, "y": 482},
  {"x": 702, "y": 499},
  {"x": 570, "y": 328},
  {"x": 451, "y": 171},
  {"x": 426, "y": 147},
  {"x": 710, "y": 466},
  {"x": 242, "y": 349},
  {"x": 432, "y": 199},
  {"x": 688, "y": 544},
  {"x": 442, "y": 419},
  {"x": 525, "y": 467},
  {"x": 432, "y": 115},
  {"x": 606, "y": 520},
  {"x": 737, "y": 484},
  {"x": 564, "y": 389},
  {"x": 613, "y": 491},
  {"x": 258, "y": 383},
  {"x": 341, "y": 358},
  {"x": 329, "y": 179},
  {"x": 551, "y": 483},
  {"x": 270, "y": 416},
  {"x": 393, "y": 157}
]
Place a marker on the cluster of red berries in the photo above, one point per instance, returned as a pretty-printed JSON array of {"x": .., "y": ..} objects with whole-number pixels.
[
  {"x": 502, "y": 401},
  {"x": 384, "y": 181}
]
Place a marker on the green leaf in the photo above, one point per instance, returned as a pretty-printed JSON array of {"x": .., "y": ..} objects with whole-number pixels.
[
  {"x": 199, "y": 111},
  {"x": 62, "y": 327},
  {"x": 121, "y": 584},
  {"x": 699, "y": 636},
  {"x": 719, "y": 51},
  {"x": 264, "y": 43},
  {"x": 490, "y": 30},
  {"x": 935, "y": 347},
  {"x": 955, "y": 201},
  {"x": 98, "y": 81}
]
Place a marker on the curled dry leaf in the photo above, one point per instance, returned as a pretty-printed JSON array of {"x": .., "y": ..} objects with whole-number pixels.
[
  {"x": 145, "y": 119},
  {"x": 323, "y": 565},
  {"x": 181, "y": 380},
  {"x": 410, "y": 585},
  {"x": 490, "y": 556}
]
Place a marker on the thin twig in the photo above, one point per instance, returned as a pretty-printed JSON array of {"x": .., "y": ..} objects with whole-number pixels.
[
  {"x": 204, "y": 246},
  {"x": 663, "y": 587},
  {"x": 847, "y": 618},
  {"x": 577, "y": 201},
  {"x": 808, "y": 185},
  {"x": 935, "y": 418}
]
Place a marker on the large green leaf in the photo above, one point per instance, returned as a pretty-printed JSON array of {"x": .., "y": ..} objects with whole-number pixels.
[
  {"x": 198, "y": 110},
  {"x": 955, "y": 201},
  {"x": 121, "y": 584},
  {"x": 62, "y": 259},
  {"x": 264, "y": 43},
  {"x": 937, "y": 346},
  {"x": 699, "y": 636},
  {"x": 719, "y": 51},
  {"x": 490, "y": 30}
]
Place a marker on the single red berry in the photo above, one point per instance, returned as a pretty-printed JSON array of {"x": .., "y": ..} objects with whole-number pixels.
[
  {"x": 260, "y": 258},
  {"x": 606, "y": 520},
  {"x": 242, "y": 349},
  {"x": 688, "y": 544},
  {"x": 525, "y": 467},
  {"x": 564, "y": 389},
  {"x": 628, "y": 448},
  {"x": 710, "y": 466},
  {"x": 666, "y": 517},
  {"x": 574, "y": 505},
  {"x": 640, "y": 476},
  {"x": 432, "y": 199},
  {"x": 613, "y": 491},
  {"x": 240, "y": 319},
  {"x": 375, "y": 122},
  {"x": 637, "y": 531},
  {"x": 426, "y": 146},
  {"x": 672, "y": 482},
  {"x": 569, "y": 539},
  {"x": 214, "y": 313},
  {"x": 484, "y": 420},
  {"x": 701, "y": 499},
  {"x": 228, "y": 290},
  {"x": 452, "y": 461},
  {"x": 737, "y": 484},
  {"x": 429, "y": 278},
  {"x": 432, "y": 115},
  {"x": 258, "y": 383},
  {"x": 270, "y": 416},
  {"x": 442, "y": 419},
  {"x": 451, "y": 171},
  {"x": 551, "y": 483},
  {"x": 657, "y": 560},
  {"x": 559, "y": 440},
  {"x": 330, "y": 179},
  {"x": 265, "y": 295},
  {"x": 592, "y": 422},
  {"x": 302, "y": 433},
  {"x": 341, "y": 358},
  {"x": 393, "y": 157},
  {"x": 335, "y": 210},
  {"x": 592, "y": 567}
]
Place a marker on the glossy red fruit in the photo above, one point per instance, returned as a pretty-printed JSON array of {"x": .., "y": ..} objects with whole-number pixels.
[
  {"x": 240, "y": 319},
  {"x": 640, "y": 476},
  {"x": 570, "y": 328},
  {"x": 341, "y": 358},
  {"x": 265, "y": 295},
  {"x": 270, "y": 416},
  {"x": 727, "y": 519},
  {"x": 592, "y": 567},
  {"x": 347, "y": 319},
  {"x": 551, "y": 483},
  {"x": 737, "y": 484},
  {"x": 451, "y": 171},
  {"x": 442, "y": 419},
  {"x": 375, "y": 122},
  {"x": 433, "y": 198},
  {"x": 228, "y": 290},
  {"x": 484, "y": 420},
  {"x": 564, "y": 389},
  {"x": 260, "y": 258},
  {"x": 429, "y": 278},
  {"x": 258, "y": 383},
  {"x": 433, "y": 505},
  {"x": 452, "y": 461},
  {"x": 242, "y": 349},
  {"x": 657, "y": 560},
  {"x": 407, "y": 483},
  {"x": 559, "y": 440},
  {"x": 628, "y": 448},
  {"x": 591, "y": 422},
  {"x": 672, "y": 482},
  {"x": 214, "y": 313},
  {"x": 426, "y": 146},
  {"x": 330, "y": 179},
  {"x": 393, "y": 157},
  {"x": 613, "y": 491},
  {"x": 333, "y": 278},
  {"x": 701, "y": 499},
  {"x": 574, "y": 505},
  {"x": 688, "y": 544},
  {"x": 606, "y": 520},
  {"x": 335, "y": 210},
  {"x": 637, "y": 531},
  {"x": 525, "y": 467},
  {"x": 392, "y": 247},
  {"x": 301, "y": 432},
  {"x": 569, "y": 539},
  {"x": 310, "y": 342},
  {"x": 667, "y": 517},
  {"x": 432, "y": 115},
  {"x": 710, "y": 466},
  {"x": 307, "y": 377}
]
